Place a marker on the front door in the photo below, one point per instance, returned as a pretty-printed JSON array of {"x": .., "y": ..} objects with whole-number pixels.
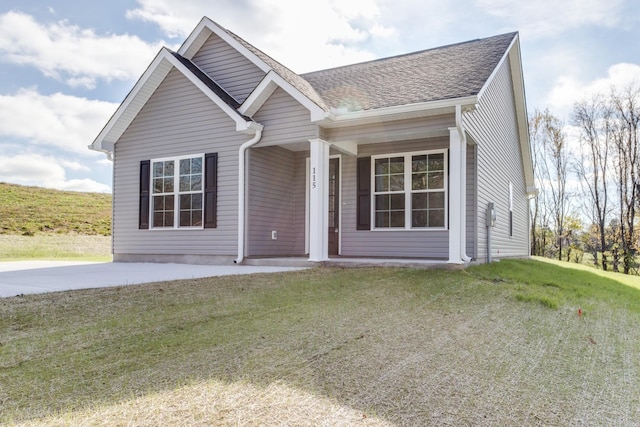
[{"x": 334, "y": 206}]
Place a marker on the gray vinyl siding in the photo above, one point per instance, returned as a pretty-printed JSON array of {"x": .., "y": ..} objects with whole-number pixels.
[
  {"x": 285, "y": 120},
  {"x": 383, "y": 243},
  {"x": 493, "y": 125},
  {"x": 272, "y": 201},
  {"x": 177, "y": 120},
  {"x": 228, "y": 67}
]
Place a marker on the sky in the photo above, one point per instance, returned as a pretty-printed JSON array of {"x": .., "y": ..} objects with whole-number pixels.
[{"x": 66, "y": 65}]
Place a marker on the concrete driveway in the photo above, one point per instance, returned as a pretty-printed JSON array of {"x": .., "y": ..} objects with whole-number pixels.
[{"x": 35, "y": 277}]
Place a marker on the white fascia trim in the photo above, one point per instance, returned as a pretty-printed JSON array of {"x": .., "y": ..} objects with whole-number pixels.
[
  {"x": 104, "y": 141},
  {"x": 196, "y": 39},
  {"x": 207, "y": 26},
  {"x": 338, "y": 117},
  {"x": 267, "y": 86}
]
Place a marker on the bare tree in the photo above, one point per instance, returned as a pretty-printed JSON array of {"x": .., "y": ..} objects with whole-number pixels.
[
  {"x": 626, "y": 115},
  {"x": 593, "y": 119},
  {"x": 551, "y": 165}
]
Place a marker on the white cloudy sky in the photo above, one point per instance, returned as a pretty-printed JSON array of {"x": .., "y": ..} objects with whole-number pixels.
[{"x": 65, "y": 65}]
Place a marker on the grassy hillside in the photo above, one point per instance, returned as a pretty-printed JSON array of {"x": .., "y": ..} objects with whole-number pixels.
[{"x": 32, "y": 210}]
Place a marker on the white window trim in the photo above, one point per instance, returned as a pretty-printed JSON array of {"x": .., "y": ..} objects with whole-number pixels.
[
  {"x": 407, "y": 191},
  {"x": 176, "y": 193}
]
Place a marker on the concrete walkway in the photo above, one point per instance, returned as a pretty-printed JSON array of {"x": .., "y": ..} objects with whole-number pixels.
[{"x": 35, "y": 277}]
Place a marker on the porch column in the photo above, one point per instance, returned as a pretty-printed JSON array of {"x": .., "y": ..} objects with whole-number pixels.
[
  {"x": 457, "y": 205},
  {"x": 319, "y": 200}
]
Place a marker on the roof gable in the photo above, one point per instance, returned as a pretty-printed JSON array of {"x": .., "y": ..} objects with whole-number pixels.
[
  {"x": 276, "y": 73},
  {"x": 164, "y": 62}
]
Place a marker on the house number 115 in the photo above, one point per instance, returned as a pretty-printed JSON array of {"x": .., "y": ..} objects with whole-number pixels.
[{"x": 313, "y": 178}]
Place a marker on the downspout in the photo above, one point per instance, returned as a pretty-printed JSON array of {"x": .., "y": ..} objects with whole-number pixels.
[
  {"x": 463, "y": 184},
  {"x": 241, "y": 192}
]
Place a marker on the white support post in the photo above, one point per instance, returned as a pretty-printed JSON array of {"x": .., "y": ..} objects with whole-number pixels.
[
  {"x": 456, "y": 215},
  {"x": 319, "y": 200}
]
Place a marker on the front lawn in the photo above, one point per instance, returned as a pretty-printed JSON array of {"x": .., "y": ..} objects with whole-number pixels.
[{"x": 492, "y": 345}]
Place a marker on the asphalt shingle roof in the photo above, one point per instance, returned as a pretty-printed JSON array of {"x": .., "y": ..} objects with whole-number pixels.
[
  {"x": 292, "y": 78},
  {"x": 446, "y": 72}
]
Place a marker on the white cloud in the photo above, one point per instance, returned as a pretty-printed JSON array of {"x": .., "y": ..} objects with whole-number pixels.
[
  {"x": 304, "y": 36},
  {"x": 68, "y": 53},
  {"x": 547, "y": 18},
  {"x": 567, "y": 90},
  {"x": 42, "y": 171},
  {"x": 58, "y": 120}
]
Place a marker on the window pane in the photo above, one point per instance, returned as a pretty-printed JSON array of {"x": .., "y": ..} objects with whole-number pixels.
[
  {"x": 196, "y": 218},
  {"x": 168, "y": 203},
  {"x": 157, "y": 169},
  {"x": 397, "y": 202},
  {"x": 419, "y": 200},
  {"x": 419, "y": 181},
  {"x": 382, "y": 202},
  {"x": 168, "y": 219},
  {"x": 168, "y": 168},
  {"x": 436, "y": 218},
  {"x": 397, "y": 219},
  {"x": 436, "y": 180},
  {"x": 168, "y": 185},
  {"x": 382, "y": 183},
  {"x": 436, "y": 200},
  {"x": 419, "y": 164},
  {"x": 196, "y": 201},
  {"x": 436, "y": 162},
  {"x": 185, "y": 218},
  {"x": 158, "y": 219},
  {"x": 396, "y": 182},
  {"x": 158, "y": 203},
  {"x": 382, "y": 166},
  {"x": 382, "y": 219},
  {"x": 185, "y": 202},
  {"x": 419, "y": 219},
  {"x": 185, "y": 167},
  {"x": 396, "y": 165},
  {"x": 157, "y": 185},
  {"x": 185, "y": 183},
  {"x": 196, "y": 165},
  {"x": 196, "y": 183}
]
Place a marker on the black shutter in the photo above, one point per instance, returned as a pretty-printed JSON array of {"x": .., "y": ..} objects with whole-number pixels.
[
  {"x": 364, "y": 193},
  {"x": 210, "y": 189},
  {"x": 143, "y": 212}
]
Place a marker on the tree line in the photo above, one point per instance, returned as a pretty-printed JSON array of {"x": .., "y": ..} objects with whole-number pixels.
[{"x": 588, "y": 182}]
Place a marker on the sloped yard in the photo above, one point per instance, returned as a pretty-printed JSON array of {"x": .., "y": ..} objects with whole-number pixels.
[{"x": 492, "y": 345}]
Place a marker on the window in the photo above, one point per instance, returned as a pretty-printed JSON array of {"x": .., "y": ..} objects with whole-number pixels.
[
  {"x": 177, "y": 192},
  {"x": 409, "y": 190}
]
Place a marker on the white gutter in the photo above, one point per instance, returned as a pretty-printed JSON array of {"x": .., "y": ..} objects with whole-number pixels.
[
  {"x": 463, "y": 195},
  {"x": 242, "y": 192}
]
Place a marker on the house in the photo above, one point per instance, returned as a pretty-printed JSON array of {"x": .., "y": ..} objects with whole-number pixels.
[{"x": 222, "y": 154}]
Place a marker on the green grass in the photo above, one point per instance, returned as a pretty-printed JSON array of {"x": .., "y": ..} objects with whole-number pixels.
[
  {"x": 495, "y": 344},
  {"x": 60, "y": 247},
  {"x": 32, "y": 210}
]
